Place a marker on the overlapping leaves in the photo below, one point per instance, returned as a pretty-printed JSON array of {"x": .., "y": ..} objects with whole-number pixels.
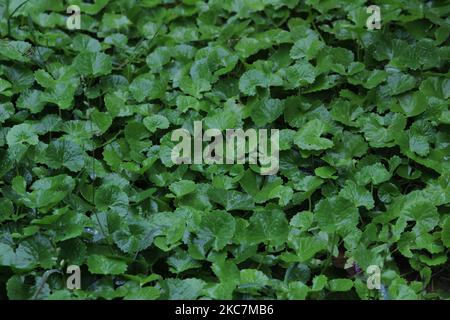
[{"x": 86, "y": 118}]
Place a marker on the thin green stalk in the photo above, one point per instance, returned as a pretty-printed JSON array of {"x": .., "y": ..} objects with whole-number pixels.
[
  {"x": 44, "y": 278},
  {"x": 12, "y": 14}
]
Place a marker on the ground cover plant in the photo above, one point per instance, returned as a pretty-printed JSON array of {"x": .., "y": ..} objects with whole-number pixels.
[{"x": 359, "y": 208}]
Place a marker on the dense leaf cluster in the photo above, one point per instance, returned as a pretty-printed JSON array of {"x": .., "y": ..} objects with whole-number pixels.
[{"x": 86, "y": 118}]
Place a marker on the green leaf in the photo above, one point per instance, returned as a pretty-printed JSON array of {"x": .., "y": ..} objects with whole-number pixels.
[
  {"x": 93, "y": 64},
  {"x": 297, "y": 291},
  {"x": 340, "y": 284},
  {"x": 218, "y": 226},
  {"x": 308, "y": 47},
  {"x": 232, "y": 200},
  {"x": 111, "y": 197},
  {"x": 300, "y": 74},
  {"x": 254, "y": 278},
  {"x": 325, "y": 172},
  {"x": 6, "y": 111},
  {"x": 22, "y": 133},
  {"x": 14, "y": 50},
  {"x": 98, "y": 264},
  {"x": 412, "y": 104},
  {"x": 7, "y": 255},
  {"x": 147, "y": 86},
  {"x": 308, "y": 137},
  {"x": 32, "y": 100},
  {"x": 319, "y": 282},
  {"x": 267, "y": 111},
  {"x": 145, "y": 293},
  {"x": 182, "y": 187},
  {"x": 307, "y": 247},
  {"x": 65, "y": 153},
  {"x": 156, "y": 122},
  {"x": 256, "y": 78},
  {"x": 398, "y": 83},
  {"x": 267, "y": 226},
  {"x": 358, "y": 195},
  {"x": 102, "y": 120},
  {"x": 35, "y": 251},
  {"x": 181, "y": 261},
  {"x": 375, "y": 174},
  {"x": 336, "y": 214},
  {"x": 186, "y": 289},
  {"x": 86, "y": 126}
]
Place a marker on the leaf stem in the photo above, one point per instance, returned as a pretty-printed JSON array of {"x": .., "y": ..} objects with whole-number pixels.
[
  {"x": 44, "y": 278},
  {"x": 11, "y": 15}
]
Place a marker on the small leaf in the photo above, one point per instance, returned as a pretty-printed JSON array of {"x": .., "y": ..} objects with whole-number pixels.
[{"x": 98, "y": 264}]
